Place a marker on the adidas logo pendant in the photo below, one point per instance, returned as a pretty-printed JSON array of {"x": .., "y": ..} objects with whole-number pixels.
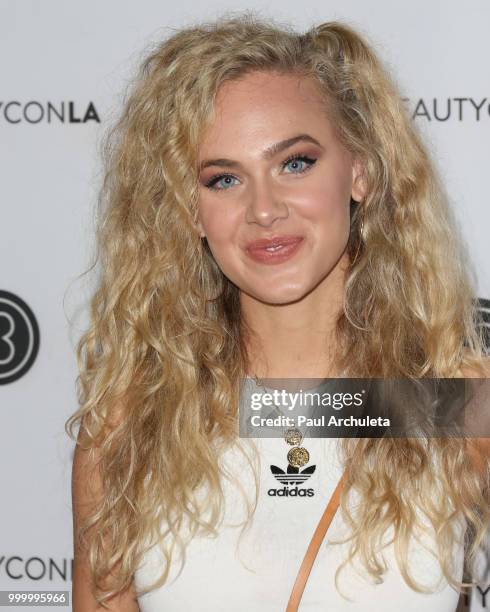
[{"x": 292, "y": 479}]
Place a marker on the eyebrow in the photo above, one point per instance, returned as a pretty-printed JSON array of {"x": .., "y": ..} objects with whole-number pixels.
[{"x": 267, "y": 154}]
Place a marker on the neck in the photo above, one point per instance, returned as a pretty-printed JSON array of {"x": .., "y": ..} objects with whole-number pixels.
[{"x": 294, "y": 340}]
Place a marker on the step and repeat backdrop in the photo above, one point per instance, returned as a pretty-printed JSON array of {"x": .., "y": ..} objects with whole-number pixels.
[{"x": 64, "y": 68}]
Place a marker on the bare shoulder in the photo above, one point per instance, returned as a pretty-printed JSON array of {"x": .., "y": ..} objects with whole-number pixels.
[
  {"x": 479, "y": 448},
  {"x": 475, "y": 373},
  {"x": 86, "y": 492}
]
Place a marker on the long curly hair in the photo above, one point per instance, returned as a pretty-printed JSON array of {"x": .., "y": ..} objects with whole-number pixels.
[{"x": 161, "y": 362}]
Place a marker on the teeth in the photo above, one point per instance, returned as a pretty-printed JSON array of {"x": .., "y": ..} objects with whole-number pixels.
[{"x": 274, "y": 248}]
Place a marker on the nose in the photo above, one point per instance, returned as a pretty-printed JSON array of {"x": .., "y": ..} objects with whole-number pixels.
[{"x": 265, "y": 205}]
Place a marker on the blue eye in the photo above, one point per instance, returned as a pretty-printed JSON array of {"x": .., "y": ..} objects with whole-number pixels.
[
  {"x": 302, "y": 163},
  {"x": 217, "y": 180}
]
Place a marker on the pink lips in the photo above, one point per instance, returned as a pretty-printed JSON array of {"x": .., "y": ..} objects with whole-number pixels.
[{"x": 281, "y": 249}]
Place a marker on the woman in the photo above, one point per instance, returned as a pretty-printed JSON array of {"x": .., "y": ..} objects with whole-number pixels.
[{"x": 268, "y": 212}]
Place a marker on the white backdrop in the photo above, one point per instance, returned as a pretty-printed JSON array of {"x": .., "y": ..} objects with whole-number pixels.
[{"x": 76, "y": 59}]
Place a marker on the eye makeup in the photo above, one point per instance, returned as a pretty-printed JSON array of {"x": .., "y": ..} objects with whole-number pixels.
[{"x": 306, "y": 159}]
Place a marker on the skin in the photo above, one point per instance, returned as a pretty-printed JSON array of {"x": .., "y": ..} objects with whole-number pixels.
[{"x": 293, "y": 305}]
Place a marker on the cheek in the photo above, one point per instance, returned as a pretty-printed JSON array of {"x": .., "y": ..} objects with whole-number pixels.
[
  {"x": 219, "y": 221},
  {"x": 327, "y": 199}
]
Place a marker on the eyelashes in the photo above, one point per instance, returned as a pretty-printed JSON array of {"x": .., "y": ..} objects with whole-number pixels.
[{"x": 309, "y": 161}]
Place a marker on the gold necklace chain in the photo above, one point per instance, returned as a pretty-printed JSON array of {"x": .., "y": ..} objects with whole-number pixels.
[{"x": 298, "y": 456}]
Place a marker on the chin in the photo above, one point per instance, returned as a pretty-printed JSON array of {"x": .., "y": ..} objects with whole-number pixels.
[{"x": 278, "y": 295}]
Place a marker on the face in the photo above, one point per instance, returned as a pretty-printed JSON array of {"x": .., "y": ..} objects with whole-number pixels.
[{"x": 275, "y": 187}]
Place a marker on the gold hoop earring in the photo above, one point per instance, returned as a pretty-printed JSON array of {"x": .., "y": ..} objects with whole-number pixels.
[{"x": 359, "y": 241}]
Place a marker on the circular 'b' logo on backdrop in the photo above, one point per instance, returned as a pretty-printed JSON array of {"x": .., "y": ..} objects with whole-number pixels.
[{"x": 19, "y": 337}]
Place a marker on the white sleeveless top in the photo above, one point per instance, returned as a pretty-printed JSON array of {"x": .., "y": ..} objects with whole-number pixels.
[{"x": 257, "y": 573}]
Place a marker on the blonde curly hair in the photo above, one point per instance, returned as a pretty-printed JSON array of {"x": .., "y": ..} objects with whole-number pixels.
[{"x": 165, "y": 344}]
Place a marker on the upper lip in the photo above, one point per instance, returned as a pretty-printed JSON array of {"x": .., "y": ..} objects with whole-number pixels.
[{"x": 274, "y": 241}]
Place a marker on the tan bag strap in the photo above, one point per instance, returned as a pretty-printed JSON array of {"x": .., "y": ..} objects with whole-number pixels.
[{"x": 314, "y": 546}]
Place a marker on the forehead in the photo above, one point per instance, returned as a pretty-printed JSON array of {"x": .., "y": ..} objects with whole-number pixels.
[
  {"x": 259, "y": 103},
  {"x": 269, "y": 86}
]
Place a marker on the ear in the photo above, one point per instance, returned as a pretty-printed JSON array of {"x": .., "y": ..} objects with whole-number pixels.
[
  {"x": 200, "y": 229},
  {"x": 359, "y": 187}
]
